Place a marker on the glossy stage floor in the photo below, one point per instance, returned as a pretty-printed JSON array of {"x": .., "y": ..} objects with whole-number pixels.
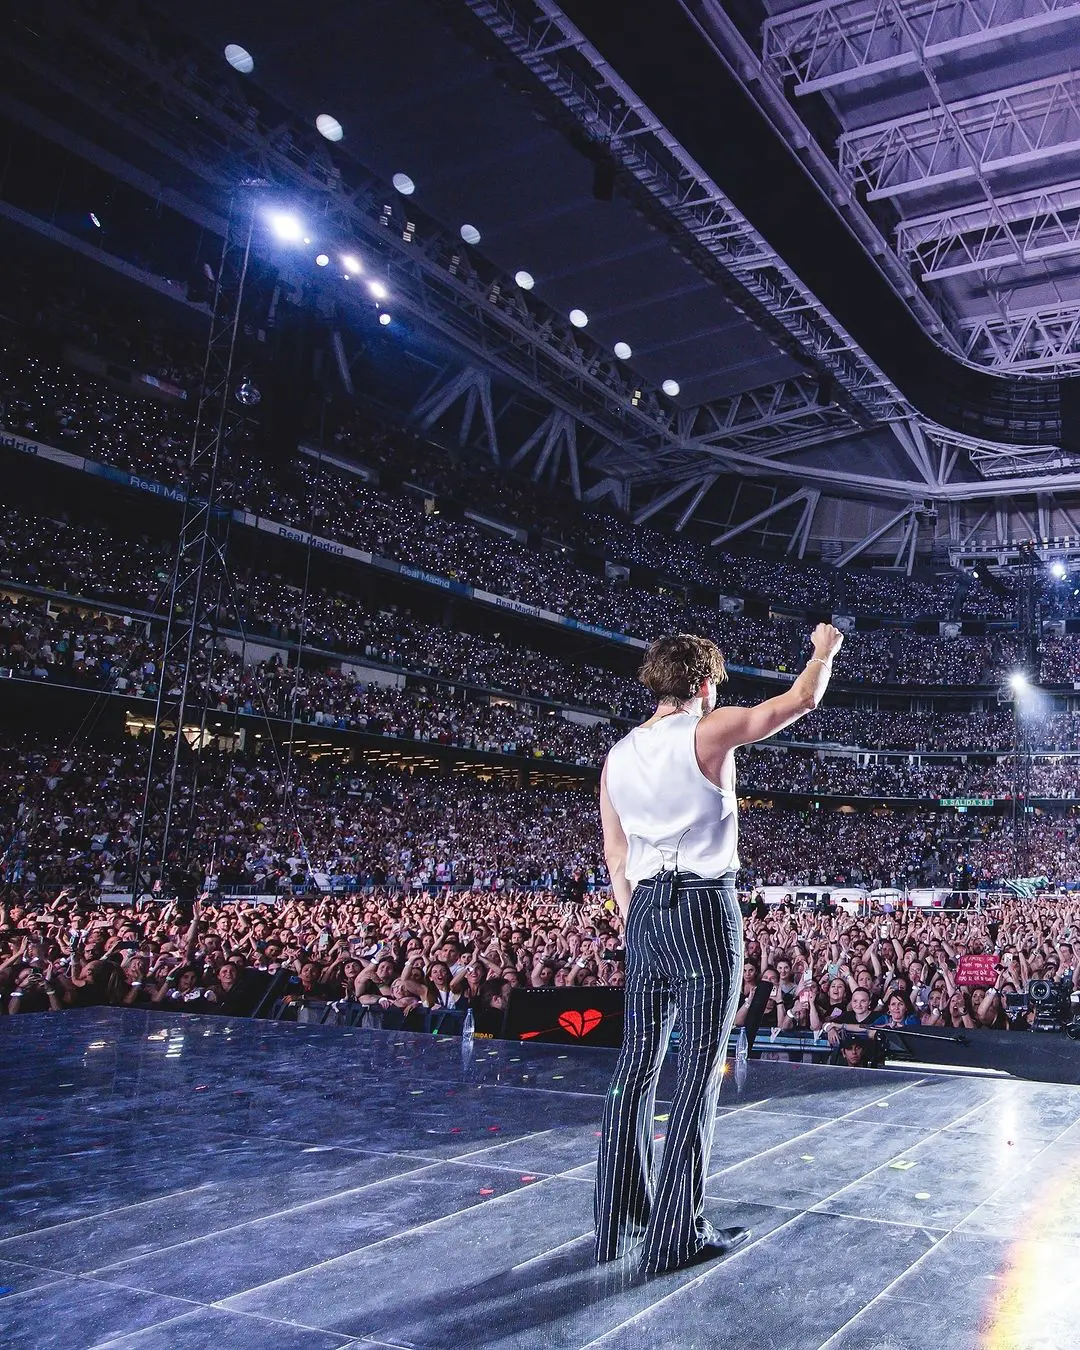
[{"x": 172, "y": 1182}]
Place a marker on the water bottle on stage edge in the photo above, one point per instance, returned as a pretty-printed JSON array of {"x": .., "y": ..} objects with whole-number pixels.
[
  {"x": 468, "y": 1031},
  {"x": 742, "y": 1055}
]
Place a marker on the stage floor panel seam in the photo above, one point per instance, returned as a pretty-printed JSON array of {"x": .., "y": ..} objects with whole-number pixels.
[{"x": 310, "y": 1150}]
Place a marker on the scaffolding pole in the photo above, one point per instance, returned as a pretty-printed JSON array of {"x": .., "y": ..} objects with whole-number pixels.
[{"x": 196, "y": 583}]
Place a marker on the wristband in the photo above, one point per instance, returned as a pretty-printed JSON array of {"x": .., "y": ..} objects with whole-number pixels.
[{"x": 821, "y": 662}]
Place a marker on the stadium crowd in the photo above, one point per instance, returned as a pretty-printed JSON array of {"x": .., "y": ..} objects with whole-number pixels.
[
  {"x": 815, "y": 774},
  {"x": 90, "y": 560},
  {"x": 402, "y": 955},
  {"x": 268, "y": 821},
  {"x": 446, "y": 891},
  {"x": 59, "y": 405},
  {"x": 108, "y": 652},
  {"x": 827, "y": 972}
]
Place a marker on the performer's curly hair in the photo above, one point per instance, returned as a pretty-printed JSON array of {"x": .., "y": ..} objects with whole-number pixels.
[{"x": 675, "y": 666}]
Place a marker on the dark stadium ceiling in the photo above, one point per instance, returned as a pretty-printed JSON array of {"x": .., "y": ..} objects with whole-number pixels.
[
  {"x": 956, "y": 126},
  {"x": 503, "y": 113},
  {"x": 822, "y": 343},
  {"x": 416, "y": 98}
]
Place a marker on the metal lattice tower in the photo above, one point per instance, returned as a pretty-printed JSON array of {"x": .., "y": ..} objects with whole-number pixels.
[{"x": 199, "y": 577}]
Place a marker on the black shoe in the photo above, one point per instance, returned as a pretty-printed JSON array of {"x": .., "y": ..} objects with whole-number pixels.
[{"x": 723, "y": 1243}]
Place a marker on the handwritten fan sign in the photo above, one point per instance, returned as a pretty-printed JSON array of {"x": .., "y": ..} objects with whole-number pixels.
[{"x": 977, "y": 970}]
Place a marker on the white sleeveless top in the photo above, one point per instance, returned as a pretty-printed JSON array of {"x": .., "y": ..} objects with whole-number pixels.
[{"x": 671, "y": 814}]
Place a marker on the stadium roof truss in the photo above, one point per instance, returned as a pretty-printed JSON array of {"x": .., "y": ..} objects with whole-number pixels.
[
  {"x": 626, "y": 437},
  {"x": 643, "y": 437},
  {"x": 574, "y": 72},
  {"x": 975, "y": 195}
]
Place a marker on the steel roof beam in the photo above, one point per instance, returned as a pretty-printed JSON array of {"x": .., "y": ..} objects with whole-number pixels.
[
  {"x": 934, "y": 312},
  {"x": 874, "y": 536},
  {"x": 998, "y": 222},
  {"x": 1007, "y": 129},
  {"x": 913, "y": 443},
  {"x": 838, "y": 42},
  {"x": 695, "y": 501},
  {"x": 1043, "y": 340},
  {"x": 905, "y": 539},
  {"x": 761, "y": 516},
  {"x": 614, "y": 117},
  {"x": 1009, "y": 232},
  {"x": 572, "y": 460},
  {"x": 801, "y": 536},
  {"x": 431, "y": 279},
  {"x": 663, "y": 499},
  {"x": 515, "y": 337}
]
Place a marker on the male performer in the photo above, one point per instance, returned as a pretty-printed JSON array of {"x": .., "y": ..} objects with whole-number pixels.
[{"x": 667, "y": 802}]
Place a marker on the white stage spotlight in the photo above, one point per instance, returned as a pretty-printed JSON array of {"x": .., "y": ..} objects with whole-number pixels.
[{"x": 286, "y": 226}]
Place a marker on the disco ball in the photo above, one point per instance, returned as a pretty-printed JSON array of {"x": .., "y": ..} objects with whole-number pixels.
[{"x": 248, "y": 393}]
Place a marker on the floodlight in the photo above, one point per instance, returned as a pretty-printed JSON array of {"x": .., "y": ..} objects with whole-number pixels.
[
  {"x": 1059, "y": 570},
  {"x": 321, "y": 259},
  {"x": 470, "y": 234},
  {"x": 239, "y": 58},
  {"x": 404, "y": 184},
  {"x": 95, "y": 221},
  {"x": 524, "y": 280},
  {"x": 377, "y": 289},
  {"x": 286, "y": 227},
  {"x": 623, "y": 351},
  {"x": 578, "y": 318},
  {"x": 1018, "y": 680},
  {"x": 384, "y": 318},
  {"x": 329, "y": 127},
  {"x": 351, "y": 264},
  {"x": 671, "y": 388}
]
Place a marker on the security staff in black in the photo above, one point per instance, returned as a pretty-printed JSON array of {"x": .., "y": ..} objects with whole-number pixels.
[{"x": 670, "y": 817}]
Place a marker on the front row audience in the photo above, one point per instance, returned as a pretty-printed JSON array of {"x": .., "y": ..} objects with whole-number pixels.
[{"x": 398, "y": 957}]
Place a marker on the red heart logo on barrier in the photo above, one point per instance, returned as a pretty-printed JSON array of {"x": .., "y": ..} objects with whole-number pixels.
[{"x": 580, "y": 1023}]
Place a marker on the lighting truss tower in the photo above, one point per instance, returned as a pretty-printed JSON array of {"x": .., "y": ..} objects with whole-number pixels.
[
  {"x": 1028, "y": 630},
  {"x": 199, "y": 578}
]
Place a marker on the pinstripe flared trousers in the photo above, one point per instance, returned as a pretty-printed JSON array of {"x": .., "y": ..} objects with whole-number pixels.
[{"x": 684, "y": 958}]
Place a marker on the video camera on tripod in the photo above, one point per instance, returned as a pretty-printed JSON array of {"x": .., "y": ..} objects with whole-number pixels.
[{"x": 1054, "y": 1005}]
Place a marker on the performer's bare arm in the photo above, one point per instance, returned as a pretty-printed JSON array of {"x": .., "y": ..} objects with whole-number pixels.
[
  {"x": 614, "y": 848},
  {"x": 725, "y": 728}
]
